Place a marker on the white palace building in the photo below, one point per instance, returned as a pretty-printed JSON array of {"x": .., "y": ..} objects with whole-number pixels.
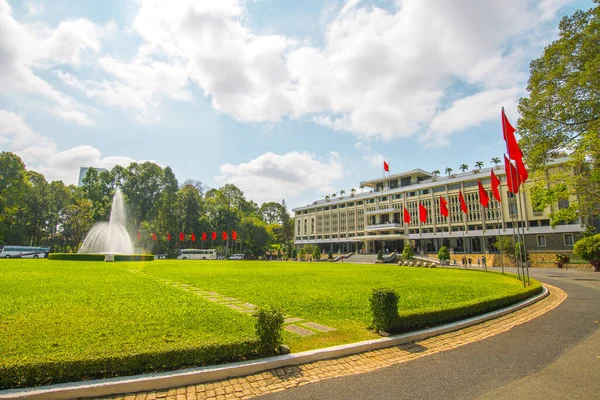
[{"x": 373, "y": 220}]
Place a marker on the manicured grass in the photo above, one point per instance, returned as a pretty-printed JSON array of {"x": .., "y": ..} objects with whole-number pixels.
[
  {"x": 336, "y": 294},
  {"x": 52, "y": 311},
  {"x": 56, "y": 316}
]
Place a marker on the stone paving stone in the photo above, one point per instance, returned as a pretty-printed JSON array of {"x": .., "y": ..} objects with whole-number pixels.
[
  {"x": 292, "y": 319},
  {"x": 235, "y": 307},
  {"x": 318, "y": 327},
  {"x": 248, "y": 305},
  {"x": 213, "y": 293},
  {"x": 298, "y": 330},
  {"x": 215, "y": 299},
  {"x": 230, "y": 299},
  {"x": 247, "y": 310}
]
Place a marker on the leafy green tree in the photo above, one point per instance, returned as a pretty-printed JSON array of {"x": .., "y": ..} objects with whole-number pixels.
[
  {"x": 495, "y": 161},
  {"x": 77, "y": 221},
  {"x": 143, "y": 187},
  {"x": 302, "y": 254},
  {"x": 588, "y": 249},
  {"x": 443, "y": 254},
  {"x": 463, "y": 167},
  {"x": 408, "y": 252},
  {"x": 271, "y": 212},
  {"x": 435, "y": 172},
  {"x": 562, "y": 112},
  {"x": 37, "y": 206},
  {"x": 506, "y": 245},
  {"x": 479, "y": 165},
  {"x": 13, "y": 186},
  {"x": 448, "y": 170},
  {"x": 316, "y": 254}
]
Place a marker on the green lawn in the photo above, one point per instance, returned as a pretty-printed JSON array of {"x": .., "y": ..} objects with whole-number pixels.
[{"x": 68, "y": 311}]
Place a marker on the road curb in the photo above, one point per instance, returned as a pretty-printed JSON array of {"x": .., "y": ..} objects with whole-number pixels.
[{"x": 165, "y": 380}]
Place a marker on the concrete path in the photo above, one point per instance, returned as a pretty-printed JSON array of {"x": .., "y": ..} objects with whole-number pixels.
[{"x": 555, "y": 356}]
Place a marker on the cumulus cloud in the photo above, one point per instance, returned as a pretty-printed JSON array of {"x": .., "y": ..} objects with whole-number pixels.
[
  {"x": 27, "y": 47},
  {"x": 274, "y": 176},
  {"x": 42, "y": 154}
]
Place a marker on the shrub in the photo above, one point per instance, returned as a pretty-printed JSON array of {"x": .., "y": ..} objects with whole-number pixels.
[
  {"x": 589, "y": 249},
  {"x": 316, "y": 253},
  {"x": 294, "y": 254},
  {"x": 520, "y": 253},
  {"x": 33, "y": 373},
  {"x": 269, "y": 329},
  {"x": 384, "y": 309},
  {"x": 134, "y": 257},
  {"x": 407, "y": 252},
  {"x": 302, "y": 254},
  {"x": 380, "y": 255},
  {"x": 443, "y": 254},
  {"x": 329, "y": 255},
  {"x": 76, "y": 257}
]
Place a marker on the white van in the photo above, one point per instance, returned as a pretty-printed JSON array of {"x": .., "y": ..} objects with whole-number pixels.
[
  {"x": 197, "y": 254},
  {"x": 237, "y": 257}
]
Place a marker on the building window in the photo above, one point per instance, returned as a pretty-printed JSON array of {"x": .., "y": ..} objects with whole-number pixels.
[
  {"x": 439, "y": 189},
  {"x": 541, "y": 240},
  {"x": 563, "y": 204},
  {"x": 568, "y": 237}
]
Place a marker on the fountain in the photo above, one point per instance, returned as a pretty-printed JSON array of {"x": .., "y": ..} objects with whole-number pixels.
[{"x": 109, "y": 237}]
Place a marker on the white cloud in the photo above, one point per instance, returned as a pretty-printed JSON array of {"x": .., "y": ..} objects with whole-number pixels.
[
  {"x": 471, "y": 111},
  {"x": 270, "y": 176},
  {"x": 381, "y": 74},
  {"x": 27, "y": 47},
  {"x": 41, "y": 153}
]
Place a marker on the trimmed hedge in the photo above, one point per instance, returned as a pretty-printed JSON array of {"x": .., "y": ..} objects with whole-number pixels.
[
  {"x": 76, "y": 257},
  {"x": 388, "y": 320},
  {"x": 134, "y": 257},
  {"x": 99, "y": 257},
  {"x": 44, "y": 373}
]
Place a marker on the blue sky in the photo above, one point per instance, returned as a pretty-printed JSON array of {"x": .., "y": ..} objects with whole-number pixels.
[{"x": 285, "y": 99}]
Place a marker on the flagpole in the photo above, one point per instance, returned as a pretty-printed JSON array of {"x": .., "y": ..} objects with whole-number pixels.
[
  {"x": 523, "y": 215},
  {"x": 513, "y": 199},
  {"x": 500, "y": 234},
  {"x": 483, "y": 211}
]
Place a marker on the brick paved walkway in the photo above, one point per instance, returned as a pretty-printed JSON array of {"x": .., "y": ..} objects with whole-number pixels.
[{"x": 282, "y": 378}]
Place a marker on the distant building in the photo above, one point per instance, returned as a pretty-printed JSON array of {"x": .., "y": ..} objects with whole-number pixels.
[
  {"x": 83, "y": 172},
  {"x": 374, "y": 220}
]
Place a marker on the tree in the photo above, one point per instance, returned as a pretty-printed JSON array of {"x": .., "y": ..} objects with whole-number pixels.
[
  {"x": 495, "y": 161},
  {"x": 436, "y": 172},
  {"x": 77, "y": 221},
  {"x": 13, "y": 186},
  {"x": 272, "y": 212},
  {"x": 342, "y": 193},
  {"x": 448, "y": 170},
  {"x": 588, "y": 249},
  {"x": 302, "y": 254},
  {"x": 463, "y": 167},
  {"x": 327, "y": 198},
  {"x": 479, "y": 165},
  {"x": 443, "y": 254},
  {"x": 561, "y": 111},
  {"x": 37, "y": 206},
  {"x": 506, "y": 245},
  {"x": 316, "y": 253},
  {"x": 407, "y": 252}
]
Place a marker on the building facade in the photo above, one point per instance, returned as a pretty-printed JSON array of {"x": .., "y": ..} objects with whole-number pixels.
[
  {"x": 83, "y": 172},
  {"x": 373, "y": 221}
]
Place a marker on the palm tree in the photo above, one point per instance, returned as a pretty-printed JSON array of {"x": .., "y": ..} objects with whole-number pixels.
[
  {"x": 327, "y": 198},
  {"x": 436, "y": 172},
  {"x": 449, "y": 170},
  {"x": 463, "y": 167},
  {"x": 495, "y": 161},
  {"x": 342, "y": 193},
  {"x": 333, "y": 195},
  {"x": 479, "y": 165},
  {"x": 352, "y": 192}
]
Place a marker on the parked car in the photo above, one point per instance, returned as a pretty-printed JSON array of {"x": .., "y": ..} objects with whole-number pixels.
[{"x": 237, "y": 257}]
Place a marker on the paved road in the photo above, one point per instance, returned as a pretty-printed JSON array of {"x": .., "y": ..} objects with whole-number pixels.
[{"x": 556, "y": 356}]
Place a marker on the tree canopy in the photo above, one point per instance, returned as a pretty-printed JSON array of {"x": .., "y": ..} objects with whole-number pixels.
[
  {"x": 35, "y": 212},
  {"x": 561, "y": 115}
]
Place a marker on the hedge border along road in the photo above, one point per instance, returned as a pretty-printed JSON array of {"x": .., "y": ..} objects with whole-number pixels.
[
  {"x": 99, "y": 257},
  {"x": 80, "y": 319}
]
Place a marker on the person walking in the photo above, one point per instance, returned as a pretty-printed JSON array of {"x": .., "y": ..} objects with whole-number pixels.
[{"x": 483, "y": 261}]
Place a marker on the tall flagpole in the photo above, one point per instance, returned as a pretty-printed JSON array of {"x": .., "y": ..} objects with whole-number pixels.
[
  {"x": 523, "y": 216},
  {"x": 514, "y": 200},
  {"x": 483, "y": 211},
  {"x": 499, "y": 233}
]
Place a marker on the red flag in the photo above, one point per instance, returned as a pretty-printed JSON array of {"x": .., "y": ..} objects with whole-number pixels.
[
  {"x": 214, "y": 236},
  {"x": 168, "y": 236},
  {"x": 463, "y": 205},
  {"x": 495, "y": 186},
  {"x": 224, "y": 235},
  {"x": 203, "y": 236},
  {"x": 511, "y": 142},
  {"x": 512, "y": 177},
  {"x": 406, "y": 216},
  {"x": 521, "y": 170},
  {"x": 484, "y": 199},
  {"x": 181, "y": 236},
  {"x": 444, "y": 207},
  {"x": 139, "y": 235},
  {"x": 154, "y": 236},
  {"x": 386, "y": 166},
  {"x": 193, "y": 237},
  {"x": 234, "y": 235},
  {"x": 422, "y": 213}
]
